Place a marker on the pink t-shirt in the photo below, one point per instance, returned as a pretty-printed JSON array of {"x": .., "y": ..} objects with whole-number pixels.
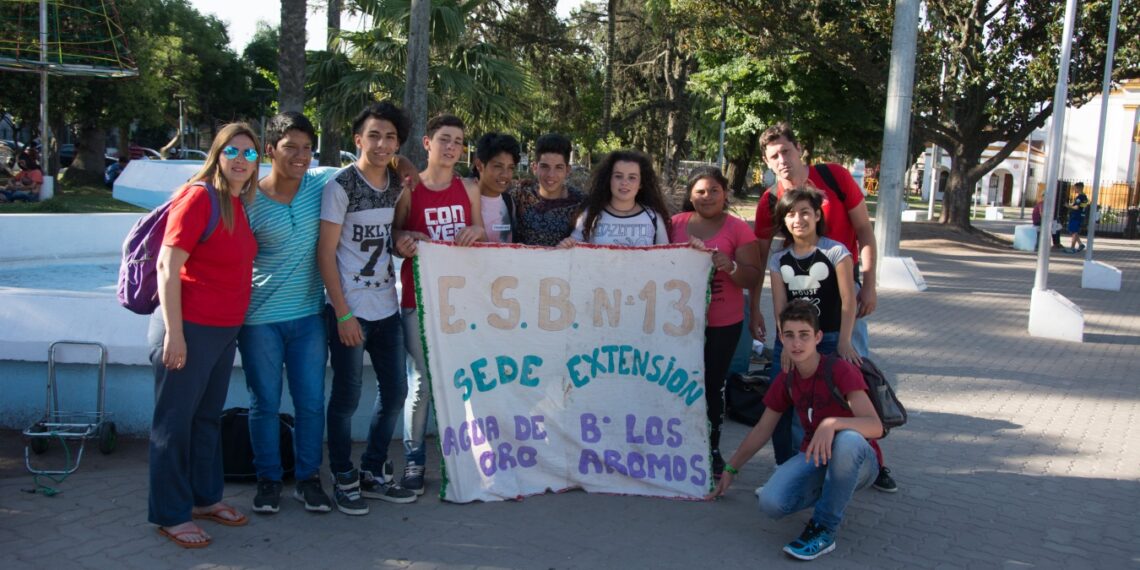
[{"x": 727, "y": 304}]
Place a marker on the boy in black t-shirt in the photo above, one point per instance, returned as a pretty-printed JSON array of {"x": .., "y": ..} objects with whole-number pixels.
[{"x": 836, "y": 457}]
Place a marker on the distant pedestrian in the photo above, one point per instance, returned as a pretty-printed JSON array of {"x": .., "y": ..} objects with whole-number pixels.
[{"x": 1077, "y": 217}]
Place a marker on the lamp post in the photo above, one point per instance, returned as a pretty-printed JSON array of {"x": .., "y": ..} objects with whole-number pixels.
[
  {"x": 181, "y": 126},
  {"x": 723, "y": 112}
]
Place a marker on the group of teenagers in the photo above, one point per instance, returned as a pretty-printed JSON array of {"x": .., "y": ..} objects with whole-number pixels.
[{"x": 296, "y": 270}]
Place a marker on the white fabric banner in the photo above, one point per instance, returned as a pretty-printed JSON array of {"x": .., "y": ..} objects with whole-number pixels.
[{"x": 559, "y": 369}]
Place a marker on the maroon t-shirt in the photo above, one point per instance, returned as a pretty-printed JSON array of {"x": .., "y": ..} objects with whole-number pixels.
[{"x": 812, "y": 393}]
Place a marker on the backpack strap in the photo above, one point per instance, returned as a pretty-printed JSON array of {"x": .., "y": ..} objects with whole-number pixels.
[
  {"x": 771, "y": 193},
  {"x": 215, "y": 210},
  {"x": 652, "y": 220},
  {"x": 828, "y": 363},
  {"x": 509, "y": 204},
  {"x": 824, "y": 171}
]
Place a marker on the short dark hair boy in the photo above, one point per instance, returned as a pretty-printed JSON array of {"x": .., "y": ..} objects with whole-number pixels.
[{"x": 836, "y": 458}]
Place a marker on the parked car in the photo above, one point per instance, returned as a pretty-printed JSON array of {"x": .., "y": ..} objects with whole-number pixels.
[
  {"x": 66, "y": 154},
  {"x": 189, "y": 154},
  {"x": 346, "y": 158}
]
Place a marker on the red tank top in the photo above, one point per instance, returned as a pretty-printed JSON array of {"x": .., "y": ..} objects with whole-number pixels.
[{"x": 438, "y": 213}]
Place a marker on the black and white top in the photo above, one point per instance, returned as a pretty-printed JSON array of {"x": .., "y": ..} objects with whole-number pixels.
[
  {"x": 364, "y": 254},
  {"x": 640, "y": 229},
  {"x": 813, "y": 277}
]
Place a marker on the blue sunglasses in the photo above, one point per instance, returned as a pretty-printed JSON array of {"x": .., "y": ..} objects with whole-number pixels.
[{"x": 231, "y": 152}]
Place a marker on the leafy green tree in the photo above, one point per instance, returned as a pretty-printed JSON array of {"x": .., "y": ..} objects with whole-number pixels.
[
  {"x": 466, "y": 75},
  {"x": 1000, "y": 56}
]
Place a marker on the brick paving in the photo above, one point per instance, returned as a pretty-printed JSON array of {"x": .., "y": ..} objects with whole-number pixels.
[{"x": 1020, "y": 452}]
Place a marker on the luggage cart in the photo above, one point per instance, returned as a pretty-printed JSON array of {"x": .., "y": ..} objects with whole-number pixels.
[{"x": 64, "y": 426}]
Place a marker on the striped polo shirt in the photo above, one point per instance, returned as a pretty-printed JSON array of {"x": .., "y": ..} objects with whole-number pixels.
[{"x": 286, "y": 282}]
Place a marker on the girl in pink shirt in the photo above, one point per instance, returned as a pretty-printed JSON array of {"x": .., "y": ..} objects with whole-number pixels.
[{"x": 706, "y": 224}]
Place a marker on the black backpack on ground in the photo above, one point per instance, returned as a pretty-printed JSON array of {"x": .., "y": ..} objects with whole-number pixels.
[
  {"x": 887, "y": 405},
  {"x": 744, "y": 395},
  {"x": 237, "y": 451}
]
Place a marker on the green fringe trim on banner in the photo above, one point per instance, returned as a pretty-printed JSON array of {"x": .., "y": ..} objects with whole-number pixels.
[{"x": 427, "y": 372}]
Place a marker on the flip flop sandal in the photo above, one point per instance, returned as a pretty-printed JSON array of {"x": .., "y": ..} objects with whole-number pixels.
[
  {"x": 213, "y": 516},
  {"x": 177, "y": 538}
]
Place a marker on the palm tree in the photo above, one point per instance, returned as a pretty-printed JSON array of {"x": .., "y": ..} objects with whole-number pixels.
[
  {"x": 466, "y": 76},
  {"x": 291, "y": 61}
]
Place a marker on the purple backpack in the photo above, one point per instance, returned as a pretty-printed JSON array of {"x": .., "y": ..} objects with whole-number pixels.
[{"x": 138, "y": 271}]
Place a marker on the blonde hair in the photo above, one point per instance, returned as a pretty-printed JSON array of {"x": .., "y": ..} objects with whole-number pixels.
[{"x": 211, "y": 174}]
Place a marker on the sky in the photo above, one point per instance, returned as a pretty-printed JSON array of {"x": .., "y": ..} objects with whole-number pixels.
[{"x": 241, "y": 24}]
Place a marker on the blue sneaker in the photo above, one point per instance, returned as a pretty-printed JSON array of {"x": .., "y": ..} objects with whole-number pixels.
[{"x": 814, "y": 541}]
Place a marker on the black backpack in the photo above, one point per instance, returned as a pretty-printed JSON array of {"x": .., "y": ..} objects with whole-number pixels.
[
  {"x": 744, "y": 395},
  {"x": 887, "y": 405},
  {"x": 237, "y": 451}
]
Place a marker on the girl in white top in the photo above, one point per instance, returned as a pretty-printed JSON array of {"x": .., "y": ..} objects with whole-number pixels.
[{"x": 625, "y": 206}]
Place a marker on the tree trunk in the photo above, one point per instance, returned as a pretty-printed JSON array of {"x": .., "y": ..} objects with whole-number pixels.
[
  {"x": 291, "y": 57},
  {"x": 416, "y": 86},
  {"x": 611, "y": 51},
  {"x": 678, "y": 66},
  {"x": 330, "y": 124},
  {"x": 738, "y": 167},
  {"x": 90, "y": 149},
  {"x": 958, "y": 193}
]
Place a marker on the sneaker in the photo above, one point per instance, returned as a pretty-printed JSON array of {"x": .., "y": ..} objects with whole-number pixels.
[
  {"x": 372, "y": 487},
  {"x": 814, "y": 541},
  {"x": 388, "y": 473},
  {"x": 1081, "y": 248},
  {"x": 268, "y": 498},
  {"x": 1069, "y": 250},
  {"x": 413, "y": 478},
  {"x": 310, "y": 492},
  {"x": 346, "y": 493},
  {"x": 884, "y": 482}
]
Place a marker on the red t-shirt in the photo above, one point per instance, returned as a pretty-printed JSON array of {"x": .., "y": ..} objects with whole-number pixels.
[
  {"x": 438, "y": 213},
  {"x": 217, "y": 277},
  {"x": 812, "y": 393},
  {"x": 727, "y": 304},
  {"x": 835, "y": 213}
]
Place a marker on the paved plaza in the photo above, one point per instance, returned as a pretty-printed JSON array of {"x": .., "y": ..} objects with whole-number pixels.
[{"x": 1020, "y": 452}]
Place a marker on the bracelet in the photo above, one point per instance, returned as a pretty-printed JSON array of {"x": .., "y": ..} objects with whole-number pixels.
[
  {"x": 730, "y": 469},
  {"x": 734, "y": 268},
  {"x": 345, "y": 318}
]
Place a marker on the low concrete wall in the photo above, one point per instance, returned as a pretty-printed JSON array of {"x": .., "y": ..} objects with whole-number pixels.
[{"x": 58, "y": 236}]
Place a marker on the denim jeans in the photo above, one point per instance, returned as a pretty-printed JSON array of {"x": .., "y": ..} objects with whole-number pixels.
[
  {"x": 300, "y": 347},
  {"x": 419, "y": 393},
  {"x": 798, "y": 484},
  {"x": 789, "y": 433},
  {"x": 384, "y": 341}
]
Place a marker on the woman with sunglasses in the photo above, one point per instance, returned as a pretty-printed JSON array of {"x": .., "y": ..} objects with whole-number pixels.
[{"x": 205, "y": 269}]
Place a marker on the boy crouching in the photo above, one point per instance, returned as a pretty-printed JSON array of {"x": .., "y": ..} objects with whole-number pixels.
[{"x": 838, "y": 455}]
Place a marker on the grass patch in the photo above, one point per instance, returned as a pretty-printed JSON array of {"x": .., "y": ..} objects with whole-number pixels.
[{"x": 81, "y": 199}]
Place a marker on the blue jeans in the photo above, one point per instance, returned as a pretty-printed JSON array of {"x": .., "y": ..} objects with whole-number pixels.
[
  {"x": 300, "y": 347},
  {"x": 798, "y": 484},
  {"x": 789, "y": 434},
  {"x": 419, "y": 395},
  {"x": 384, "y": 341}
]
